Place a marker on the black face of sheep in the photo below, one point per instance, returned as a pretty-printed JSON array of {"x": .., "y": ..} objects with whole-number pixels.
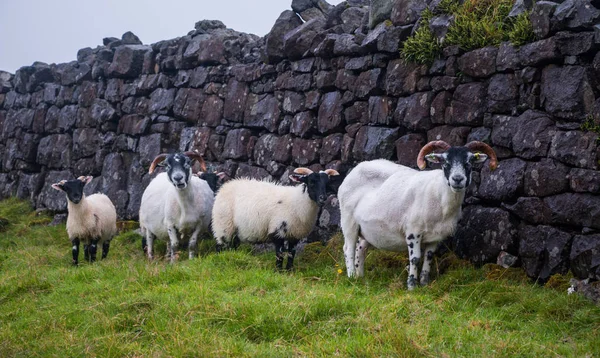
[
  {"x": 73, "y": 188},
  {"x": 316, "y": 183},
  {"x": 457, "y": 162},
  {"x": 214, "y": 180},
  {"x": 178, "y": 166}
]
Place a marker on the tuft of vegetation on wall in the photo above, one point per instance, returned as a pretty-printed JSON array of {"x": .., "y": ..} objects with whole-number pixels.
[{"x": 476, "y": 24}]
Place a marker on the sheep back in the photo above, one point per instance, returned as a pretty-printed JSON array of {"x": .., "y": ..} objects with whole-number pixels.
[{"x": 94, "y": 217}]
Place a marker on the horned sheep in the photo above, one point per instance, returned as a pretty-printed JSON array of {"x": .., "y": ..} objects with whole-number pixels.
[
  {"x": 176, "y": 204},
  {"x": 393, "y": 207},
  {"x": 91, "y": 219},
  {"x": 255, "y": 211}
]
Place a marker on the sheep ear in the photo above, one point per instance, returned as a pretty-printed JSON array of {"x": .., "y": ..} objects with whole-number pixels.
[
  {"x": 221, "y": 175},
  {"x": 86, "y": 179},
  {"x": 435, "y": 157},
  {"x": 57, "y": 186},
  {"x": 331, "y": 172},
  {"x": 298, "y": 178},
  {"x": 479, "y": 157}
]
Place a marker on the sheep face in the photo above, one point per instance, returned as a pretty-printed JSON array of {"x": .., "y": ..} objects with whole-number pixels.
[
  {"x": 214, "y": 180},
  {"x": 73, "y": 188},
  {"x": 457, "y": 164},
  {"x": 316, "y": 185},
  {"x": 179, "y": 170}
]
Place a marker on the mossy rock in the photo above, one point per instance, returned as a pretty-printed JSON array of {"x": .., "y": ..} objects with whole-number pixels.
[
  {"x": 495, "y": 272},
  {"x": 559, "y": 282},
  {"x": 127, "y": 225}
]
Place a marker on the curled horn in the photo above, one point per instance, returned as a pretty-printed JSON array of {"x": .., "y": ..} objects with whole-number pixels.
[
  {"x": 196, "y": 156},
  {"x": 477, "y": 146},
  {"x": 159, "y": 159},
  {"x": 331, "y": 172},
  {"x": 303, "y": 171},
  {"x": 428, "y": 148}
]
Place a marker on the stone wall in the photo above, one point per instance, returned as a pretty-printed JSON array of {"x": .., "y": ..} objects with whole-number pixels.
[{"x": 330, "y": 92}]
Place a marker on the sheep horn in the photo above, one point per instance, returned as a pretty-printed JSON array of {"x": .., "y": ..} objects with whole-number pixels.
[
  {"x": 428, "y": 148},
  {"x": 331, "y": 172},
  {"x": 198, "y": 157},
  {"x": 303, "y": 171},
  {"x": 159, "y": 159},
  {"x": 486, "y": 149}
]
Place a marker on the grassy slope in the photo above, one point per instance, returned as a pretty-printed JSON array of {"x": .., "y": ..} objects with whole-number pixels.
[{"x": 235, "y": 304}]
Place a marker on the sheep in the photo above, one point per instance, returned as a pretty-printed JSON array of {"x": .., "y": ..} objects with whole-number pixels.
[
  {"x": 249, "y": 210},
  {"x": 393, "y": 207},
  {"x": 91, "y": 219},
  {"x": 175, "y": 204}
]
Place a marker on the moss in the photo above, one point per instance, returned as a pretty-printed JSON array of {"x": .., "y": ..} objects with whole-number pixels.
[
  {"x": 522, "y": 30},
  {"x": 559, "y": 282},
  {"x": 422, "y": 47},
  {"x": 590, "y": 125},
  {"x": 127, "y": 225},
  {"x": 497, "y": 273}
]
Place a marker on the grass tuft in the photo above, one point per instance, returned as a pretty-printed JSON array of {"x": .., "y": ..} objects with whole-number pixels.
[{"x": 236, "y": 304}]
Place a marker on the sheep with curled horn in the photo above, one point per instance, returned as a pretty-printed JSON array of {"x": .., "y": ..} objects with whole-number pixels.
[
  {"x": 394, "y": 207},
  {"x": 176, "y": 205}
]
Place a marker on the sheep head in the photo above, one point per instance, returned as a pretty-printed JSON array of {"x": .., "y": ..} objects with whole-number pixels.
[{"x": 315, "y": 183}]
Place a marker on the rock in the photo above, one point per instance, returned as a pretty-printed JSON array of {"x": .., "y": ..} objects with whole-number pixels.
[
  {"x": 505, "y": 182},
  {"x": 402, "y": 77},
  {"x": 29, "y": 186},
  {"x": 479, "y": 63},
  {"x": 73, "y": 73},
  {"x": 380, "y": 110},
  {"x": 544, "y": 251},
  {"x": 149, "y": 147},
  {"x": 51, "y": 199},
  {"x": 235, "y": 101},
  {"x": 306, "y": 151},
  {"x": 54, "y": 151},
  {"x": 408, "y": 147},
  {"x": 236, "y": 144},
  {"x": 379, "y": 11},
  {"x": 585, "y": 257},
  {"x": 6, "y": 80},
  {"x": 129, "y": 38},
  {"x": 161, "y": 100},
  {"x": 331, "y": 148},
  {"x": 134, "y": 124},
  {"x": 439, "y": 26},
  {"x": 300, "y": 40},
  {"x": 575, "y": 44},
  {"x": 533, "y": 133},
  {"x": 368, "y": 83},
  {"x": 439, "y": 104},
  {"x": 262, "y": 112},
  {"x": 503, "y": 92},
  {"x": 286, "y": 22},
  {"x": 347, "y": 45},
  {"x": 508, "y": 57},
  {"x": 546, "y": 177},
  {"x": 212, "y": 112},
  {"x": 483, "y": 233},
  {"x": 352, "y": 18},
  {"x": 374, "y": 143},
  {"x": 302, "y": 124},
  {"x": 584, "y": 181},
  {"x": 330, "y": 112},
  {"x": 468, "y": 105},
  {"x": 270, "y": 148},
  {"x": 540, "y": 18},
  {"x": 506, "y": 260},
  {"x": 588, "y": 289},
  {"x": 575, "y": 15},
  {"x": 452, "y": 135},
  {"x": 188, "y": 104},
  {"x": 567, "y": 92},
  {"x": 389, "y": 41},
  {"x": 86, "y": 142},
  {"x": 293, "y": 82},
  {"x": 413, "y": 112},
  {"x": 128, "y": 61},
  {"x": 539, "y": 52},
  {"x": 575, "y": 148},
  {"x": 520, "y": 7},
  {"x": 248, "y": 171},
  {"x": 574, "y": 209},
  {"x": 102, "y": 111},
  {"x": 405, "y": 12},
  {"x": 357, "y": 112}
]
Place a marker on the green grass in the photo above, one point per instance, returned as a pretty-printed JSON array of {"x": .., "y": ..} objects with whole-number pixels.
[
  {"x": 477, "y": 24},
  {"x": 235, "y": 304}
]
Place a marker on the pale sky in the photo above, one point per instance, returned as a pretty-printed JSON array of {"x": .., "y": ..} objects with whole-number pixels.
[{"x": 52, "y": 31}]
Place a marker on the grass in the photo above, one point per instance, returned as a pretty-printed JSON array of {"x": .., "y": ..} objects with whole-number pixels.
[
  {"x": 235, "y": 304},
  {"x": 477, "y": 24}
]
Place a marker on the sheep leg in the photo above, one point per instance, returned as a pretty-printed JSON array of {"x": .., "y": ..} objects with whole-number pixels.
[
  {"x": 350, "y": 229},
  {"x": 174, "y": 249},
  {"x": 413, "y": 242},
  {"x": 105, "y": 248},
  {"x": 86, "y": 252},
  {"x": 144, "y": 245},
  {"x": 361, "y": 255},
  {"x": 193, "y": 245},
  {"x": 75, "y": 251},
  {"x": 291, "y": 253},
  {"x": 279, "y": 253},
  {"x": 93, "y": 249},
  {"x": 429, "y": 250},
  {"x": 149, "y": 244}
]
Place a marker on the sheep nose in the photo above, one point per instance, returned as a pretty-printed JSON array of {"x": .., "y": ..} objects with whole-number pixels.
[
  {"x": 322, "y": 198},
  {"x": 458, "y": 179},
  {"x": 177, "y": 177}
]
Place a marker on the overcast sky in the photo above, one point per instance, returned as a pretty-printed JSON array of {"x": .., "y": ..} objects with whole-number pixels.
[{"x": 52, "y": 31}]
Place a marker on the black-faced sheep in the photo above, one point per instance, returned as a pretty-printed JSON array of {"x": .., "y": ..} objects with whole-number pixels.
[
  {"x": 258, "y": 211},
  {"x": 91, "y": 219},
  {"x": 176, "y": 204},
  {"x": 393, "y": 207}
]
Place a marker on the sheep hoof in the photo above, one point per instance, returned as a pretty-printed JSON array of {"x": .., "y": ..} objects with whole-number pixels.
[
  {"x": 411, "y": 283},
  {"x": 424, "y": 279}
]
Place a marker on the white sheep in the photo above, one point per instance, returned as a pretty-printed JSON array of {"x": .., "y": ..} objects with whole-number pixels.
[
  {"x": 257, "y": 211},
  {"x": 176, "y": 204},
  {"x": 394, "y": 207},
  {"x": 91, "y": 219}
]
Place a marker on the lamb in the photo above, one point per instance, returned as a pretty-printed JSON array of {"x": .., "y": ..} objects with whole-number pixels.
[
  {"x": 91, "y": 219},
  {"x": 254, "y": 211},
  {"x": 176, "y": 204},
  {"x": 393, "y": 207}
]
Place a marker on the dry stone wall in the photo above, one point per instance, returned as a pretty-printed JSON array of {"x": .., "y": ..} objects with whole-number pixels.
[{"x": 326, "y": 89}]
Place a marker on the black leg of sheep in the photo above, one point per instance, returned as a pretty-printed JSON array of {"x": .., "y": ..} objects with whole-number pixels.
[
  {"x": 279, "y": 252},
  {"x": 75, "y": 251},
  {"x": 291, "y": 253},
  {"x": 93, "y": 249},
  {"x": 105, "y": 248},
  {"x": 86, "y": 252}
]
